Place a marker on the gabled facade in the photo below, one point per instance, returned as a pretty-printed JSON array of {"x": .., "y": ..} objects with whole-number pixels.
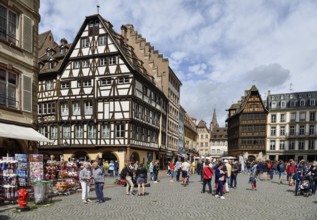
[
  {"x": 18, "y": 76},
  {"x": 247, "y": 125},
  {"x": 158, "y": 67},
  {"x": 106, "y": 104},
  {"x": 203, "y": 138},
  {"x": 218, "y": 138},
  {"x": 292, "y": 126}
]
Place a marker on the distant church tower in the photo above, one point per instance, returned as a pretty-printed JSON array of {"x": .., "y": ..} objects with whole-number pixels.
[{"x": 214, "y": 123}]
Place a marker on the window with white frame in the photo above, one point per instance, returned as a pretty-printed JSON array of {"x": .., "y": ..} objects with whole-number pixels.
[
  {"x": 302, "y": 103},
  {"x": 54, "y": 132},
  {"x": 91, "y": 131},
  {"x": 102, "y": 40},
  {"x": 46, "y": 108},
  {"x": 312, "y": 116},
  {"x": 64, "y": 109},
  {"x": 8, "y": 25},
  {"x": 66, "y": 131},
  {"x": 283, "y": 119},
  {"x": 206, "y": 136},
  {"x": 79, "y": 131},
  {"x": 273, "y": 118},
  {"x": 311, "y": 129},
  {"x": 65, "y": 85},
  {"x": 218, "y": 151},
  {"x": 76, "y": 64},
  {"x": 88, "y": 107},
  {"x": 302, "y": 116},
  {"x": 311, "y": 144},
  {"x": 312, "y": 102},
  {"x": 274, "y": 104},
  {"x": 293, "y": 116},
  {"x": 120, "y": 130},
  {"x": 112, "y": 60},
  {"x": 84, "y": 42},
  {"x": 302, "y": 130},
  {"x": 213, "y": 151},
  {"x": 49, "y": 85},
  {"x": 273, "y": 131},
  {"x": 102, "y": 61},
  {"x": 301, "y": 145},
  {"x": 8, "y": 88},
  {"x": 105, "y": 82},
  {"x": 272, "y": 145},
  {"x": 120, "y": 80},
  {"x": 85, "y": 63},
  {"x": 43, "y": 131},
  {"x": 87, "y": 83},
  {"x": 282, "y": 130},
  {"x": 76, "y": 108},
  {"x": 283, "y": 104},
  {"x": 292, "y": 130},
  {"x": 291, "y": 145},
  {"x": 282, "y": 145},
  {"x": 105, "y": 131},
  {"x": 206, "y": 144}
]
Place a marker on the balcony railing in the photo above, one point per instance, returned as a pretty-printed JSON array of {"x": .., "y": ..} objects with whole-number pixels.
[{"x": 301, "y": 134}]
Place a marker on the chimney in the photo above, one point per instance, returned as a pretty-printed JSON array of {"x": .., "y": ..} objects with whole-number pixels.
[{"x": 268, "y": 92}]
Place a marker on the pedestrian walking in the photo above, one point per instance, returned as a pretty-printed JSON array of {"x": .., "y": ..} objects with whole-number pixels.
[
  {"x": 172, "y": 168},
  {"x": 228, "y": 176},
  {"x": 234, "y": 174},
  {"x": 219, "y": 180},
  {"x": 141, "y": 177},
  {"x": 116, "y": 168},
  {"x": 127, "y": 175},
  {"x": 290, "y": 170},
  {"x": 313, "y": 171},
  {"x": 111, "y": 168},
  {"x": 156, "y": 169},
  {"x": 281, "y": 170},
  {"x": 252, "y": 181},
  {"x": 106, "y": 166},
  {"x": 151, "y": 170},
  {"x": 99, "y": 178},
  {"x": 84, "y": 177},
  {"x": 208, "y": 172},
  {"x": 193, "y": 167},
  {"x": 178, "y": 169},
  {"x": 185, "y": 167}
]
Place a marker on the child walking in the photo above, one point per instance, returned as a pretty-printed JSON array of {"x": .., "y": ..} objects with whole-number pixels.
[{"x": 252, "y": 181}]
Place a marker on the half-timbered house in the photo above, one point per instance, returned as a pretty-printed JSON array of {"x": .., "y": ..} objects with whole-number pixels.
[
  {"x": 106, "y": 105},
  {"x": 247, "y": 121}
]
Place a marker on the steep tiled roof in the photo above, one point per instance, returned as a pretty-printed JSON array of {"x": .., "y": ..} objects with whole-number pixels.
[{"x": 202, "y": 124}]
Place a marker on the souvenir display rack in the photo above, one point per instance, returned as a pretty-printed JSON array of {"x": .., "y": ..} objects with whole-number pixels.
[
  {"x": 68, "y": 179},
  {"x": 8, "y": 180}
]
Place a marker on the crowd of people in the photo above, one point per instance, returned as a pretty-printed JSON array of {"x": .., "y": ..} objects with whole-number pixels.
[{"x": 224, "y": 173}]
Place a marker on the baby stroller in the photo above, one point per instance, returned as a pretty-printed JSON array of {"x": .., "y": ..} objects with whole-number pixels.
[{"x": 305, "y": 186}]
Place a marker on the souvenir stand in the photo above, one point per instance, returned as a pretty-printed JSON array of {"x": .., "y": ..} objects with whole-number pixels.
[
  {"x": 8, "y": 180},
  {"x": 68, "y": 179}
]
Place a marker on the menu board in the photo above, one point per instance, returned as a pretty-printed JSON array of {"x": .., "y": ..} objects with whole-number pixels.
[
  {"x": 22, "y": 168},
  {"x": 36, "y": 167}
]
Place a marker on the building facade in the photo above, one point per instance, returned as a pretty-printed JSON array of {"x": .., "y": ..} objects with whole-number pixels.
[
  {"x": 247, "y": 125},
  {"x": 203, "y": 139},
  {"x": 181, "y": 129},
  {"x": 292, "y": 126},
  {"x": 165, "y": 78},
  {"x": 18, "y": 76},
  {"x": 103, "y": 103},
  {"x": 190, "y": 137},
  {"x": 218, "y": 138}
]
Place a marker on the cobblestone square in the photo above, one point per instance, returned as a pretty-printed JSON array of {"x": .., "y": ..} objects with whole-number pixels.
[{"x": 170, "y": 200}]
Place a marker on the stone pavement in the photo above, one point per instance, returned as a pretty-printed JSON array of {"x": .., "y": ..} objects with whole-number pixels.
[{"x": 167, "y": 200}]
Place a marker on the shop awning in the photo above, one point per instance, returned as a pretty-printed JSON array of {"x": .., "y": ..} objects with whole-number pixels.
[{"x": 20, "y": 132}]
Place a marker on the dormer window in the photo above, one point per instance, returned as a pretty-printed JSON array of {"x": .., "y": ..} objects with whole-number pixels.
[
  {"x": 302, "y": 103},
  {"x": 312, "y": 102}
]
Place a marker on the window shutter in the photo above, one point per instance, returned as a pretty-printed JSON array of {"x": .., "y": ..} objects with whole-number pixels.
[
  {"x": 27, "y": 94},
  {"x": 27, "y": 33}
]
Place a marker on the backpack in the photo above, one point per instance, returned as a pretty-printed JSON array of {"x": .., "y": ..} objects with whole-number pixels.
[
  {"x": 281, "y": 167},
  {"x": 123, "y": 173}
]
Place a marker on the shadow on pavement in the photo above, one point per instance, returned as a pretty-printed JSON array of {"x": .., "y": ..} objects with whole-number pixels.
[
  {"x": 290, "y": 190},
  {"x": 107, "y": 199},
  {"x": 250, "y": 189},
  {"x": 4, "y": 217}
]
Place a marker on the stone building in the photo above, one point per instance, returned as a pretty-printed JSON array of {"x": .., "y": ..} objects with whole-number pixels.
[
  {"x": 291, "y": 130},
  {"x": 247, "y": 125},
  {"x": 165, "y": 78},
  {"x": 203, "y": 139},
  {"x": 19, "y": 76},
  {"x": 218, "y": 138}
]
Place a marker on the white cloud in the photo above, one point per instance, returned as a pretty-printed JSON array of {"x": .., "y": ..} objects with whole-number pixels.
[{"x": 227, "y": 44}]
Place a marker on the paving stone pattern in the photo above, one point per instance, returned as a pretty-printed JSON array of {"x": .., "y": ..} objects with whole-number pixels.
[{"x": 169, "y": 200}]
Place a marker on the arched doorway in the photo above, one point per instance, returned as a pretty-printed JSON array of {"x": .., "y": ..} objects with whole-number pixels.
[
  {"x": 109, "y": 156},
  {"x": 134, "y": 157},
  {"x": 81, "y": 155},
  {"x": 251, "y": 158}
]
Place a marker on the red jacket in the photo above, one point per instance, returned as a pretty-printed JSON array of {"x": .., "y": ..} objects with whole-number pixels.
[
  {"x": 291, "y": 168},
  {"x": 208, "y": 172}
]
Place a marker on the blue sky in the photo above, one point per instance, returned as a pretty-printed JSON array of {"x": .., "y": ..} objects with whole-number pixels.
[{"x": 217, "y": 48}]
